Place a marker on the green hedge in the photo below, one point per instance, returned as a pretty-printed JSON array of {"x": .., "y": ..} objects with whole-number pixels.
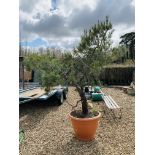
[{"x": 117, "y": 75}]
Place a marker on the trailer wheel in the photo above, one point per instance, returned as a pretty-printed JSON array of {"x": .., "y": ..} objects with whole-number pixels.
[
  {"x": 60, "y": 100},
  {"x": 64, "y": 95}
]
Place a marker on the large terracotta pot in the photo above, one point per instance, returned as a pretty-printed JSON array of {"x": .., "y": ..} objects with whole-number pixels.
[{"x": 85, "y": 128}]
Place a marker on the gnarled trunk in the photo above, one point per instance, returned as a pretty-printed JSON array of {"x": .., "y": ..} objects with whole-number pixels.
[{"x": 83, "y": 100}]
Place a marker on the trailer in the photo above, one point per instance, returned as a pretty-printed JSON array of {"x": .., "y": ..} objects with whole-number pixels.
[{"x": 38, "y": 95}]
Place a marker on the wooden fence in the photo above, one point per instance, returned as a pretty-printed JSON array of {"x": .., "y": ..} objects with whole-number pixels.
[{"x": 117, "y": 75}]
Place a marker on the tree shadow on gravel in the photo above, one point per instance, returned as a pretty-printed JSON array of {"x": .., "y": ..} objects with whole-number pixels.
[
  {"x": 76, "y": 147},
  {"x": 30, "y": 114}
]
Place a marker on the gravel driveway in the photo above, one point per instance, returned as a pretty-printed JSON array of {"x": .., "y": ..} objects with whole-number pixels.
[{"x": 48, "y": 130}]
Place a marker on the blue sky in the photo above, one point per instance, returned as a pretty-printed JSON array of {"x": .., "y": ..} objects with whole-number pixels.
[
  {"x": 53, "y": 4},
  {"x": 62, "y": 28},
  {"x": 34, "y": 43}
]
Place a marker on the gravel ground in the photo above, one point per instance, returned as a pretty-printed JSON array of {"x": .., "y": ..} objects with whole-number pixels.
[{"x": 48, "y": 130}]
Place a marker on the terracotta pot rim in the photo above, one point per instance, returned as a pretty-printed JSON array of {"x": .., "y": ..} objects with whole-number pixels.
[{"x": 85, "y": 119}]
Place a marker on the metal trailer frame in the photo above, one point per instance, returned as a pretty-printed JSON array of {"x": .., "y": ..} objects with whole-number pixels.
[{"x": 58, "y": 93}]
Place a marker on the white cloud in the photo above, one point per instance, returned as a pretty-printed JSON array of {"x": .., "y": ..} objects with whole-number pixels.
[
  {"x": 133, "y": 3},
  {"x": 68, "y": 7},
  {"x": 119, "y": 31},
  {"x": 64, "y": 26}
]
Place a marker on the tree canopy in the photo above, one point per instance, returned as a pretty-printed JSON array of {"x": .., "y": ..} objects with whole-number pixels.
[
  {"x": 92, "y": 52},
  {"x": 47, "y": 67},
  {"x": 128, "y": 40}
]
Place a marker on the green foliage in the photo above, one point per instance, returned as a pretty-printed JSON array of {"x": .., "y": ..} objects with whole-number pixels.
[
  {"x": 67, "y": 72},
  {"x": 119, "y": 54},
  {"x": 128, "y": 40},
  {"x": 92, "y": 53},
  {"x": 47, "y": 67},
  {"x": 21, "y": 136}
]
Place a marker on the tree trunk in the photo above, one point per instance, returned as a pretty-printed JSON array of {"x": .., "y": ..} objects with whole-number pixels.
[
  {"x": 83, "y": 100},
  {"x": 84, "y": 105}
]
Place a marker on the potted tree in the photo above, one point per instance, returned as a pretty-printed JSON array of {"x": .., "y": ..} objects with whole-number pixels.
[
  {"x": 85, "y": 65},
  {"x": 80, "y": 68}
]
